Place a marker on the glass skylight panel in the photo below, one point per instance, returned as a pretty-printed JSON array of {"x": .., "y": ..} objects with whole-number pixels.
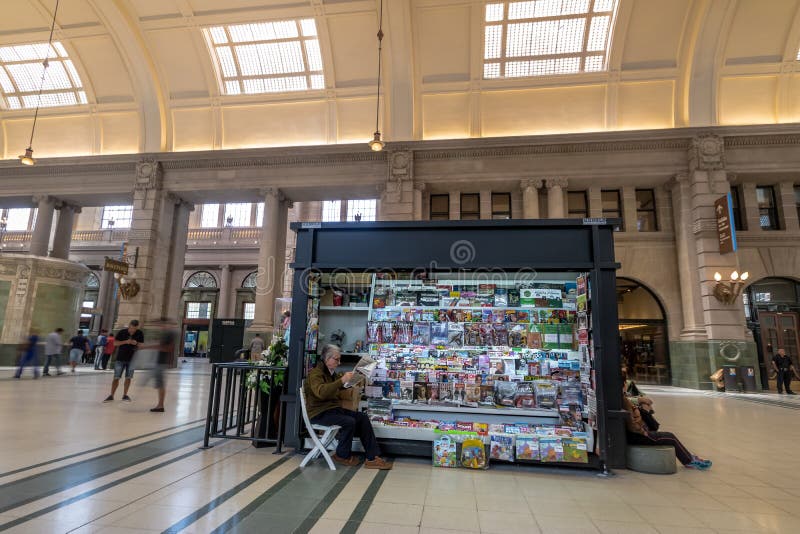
[
  {"x": 546, "y": 37},
  {"x": 21, "y": 71},
  {"x": 331, "y": 210},
  {"x": 18, "y": 219},
  {"x": 267, "y": 57},
  {"x": 239, "y": 214},
  {"x": 209, "y": 217}
]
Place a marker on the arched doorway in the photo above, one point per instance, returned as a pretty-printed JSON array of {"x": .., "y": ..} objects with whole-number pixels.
[
  {"x": 643, "y": 333},
  {"x": 772, "y": 311},
  {"x": 200, "y": 295}
]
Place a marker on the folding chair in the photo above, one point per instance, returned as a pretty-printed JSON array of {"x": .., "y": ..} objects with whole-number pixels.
[{"x": 321, "y": 442}]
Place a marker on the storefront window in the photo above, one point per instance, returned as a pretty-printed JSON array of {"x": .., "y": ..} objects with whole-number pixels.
[
  {"x": 577, "y": 206},
  {"x": 470, "y": 206},
  {"x": 646, "y": 220},
  {"x": 440, "y": 207},
  {"x": 767, "y": 208},
  {"x": 501, "y": 205}
]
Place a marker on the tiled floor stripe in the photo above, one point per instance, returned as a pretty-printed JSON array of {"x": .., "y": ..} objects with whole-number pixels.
[
  {"x": 96, "y": 449},
  {"x": 360, "y": 511},
  {"x": 89, "y": 493},
  {"x": 203, "y": 510},
  {"x": 319, "y": 510},
  {"x": 33, "y": 488},
  {"x": 242, "y": 514}
]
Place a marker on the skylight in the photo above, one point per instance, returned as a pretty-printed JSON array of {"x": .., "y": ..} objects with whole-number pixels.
[
  {"x": 267, "y": 57},
  {"x": 21, "y": 73},
  {"x": 546, "y": 37}
]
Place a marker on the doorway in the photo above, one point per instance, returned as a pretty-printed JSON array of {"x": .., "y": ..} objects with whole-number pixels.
[
  {"x": 772, "y": 310},
  {"x": 644, "y": 347},
  {"x": 195, "y": 338}
]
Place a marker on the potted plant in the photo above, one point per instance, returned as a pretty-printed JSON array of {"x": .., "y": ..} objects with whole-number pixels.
[{"x": 276, "y": 355}]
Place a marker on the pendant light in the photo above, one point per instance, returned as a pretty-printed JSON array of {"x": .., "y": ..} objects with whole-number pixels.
[
  {"x": 377, "y": 144},
  {"x": 28, "y": 159}
]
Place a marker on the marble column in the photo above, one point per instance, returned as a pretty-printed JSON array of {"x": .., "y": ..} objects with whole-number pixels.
[
  {"x": 270, "y": 260},
  {"x": 223, "y": 302},
  {"x": 106, "y": 300},
  {"x": 595, "y": 200},
  {"x": 63, "y": 235},
  {"x": 40, "y": 240},
  {"x": 787, "y": 205},
  {"x": 180, "y": 232},
  {"x": 630, "y": 219},
  {"x": 555, "y": 197},
  {"x": 419, "y": 189},
  {"x": 455, "y": 205},
  {"x": 530, "y": 198}
]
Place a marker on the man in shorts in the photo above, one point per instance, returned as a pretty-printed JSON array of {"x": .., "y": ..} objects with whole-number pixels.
[
  {"x": 166, "y": 349},
  {"x": 79, "y": 345},
  {"x": 126, "y": 340}
]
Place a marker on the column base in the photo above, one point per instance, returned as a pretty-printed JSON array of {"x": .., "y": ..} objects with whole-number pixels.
[{"x": 692, "y": 362}]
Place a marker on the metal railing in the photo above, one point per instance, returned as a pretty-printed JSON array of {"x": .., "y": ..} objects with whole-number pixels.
[{"x": 236, "y": 411}]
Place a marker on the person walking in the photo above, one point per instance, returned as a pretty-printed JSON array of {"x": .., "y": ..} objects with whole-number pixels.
[
  {"x": 53, "y": 347},
  {"x": 79, "y": 345},
  {"x": 783, "y": 366},
  {"x": 257, "y": 346},
  {"x": 166, "y": 349},
  {"x": 108, "y": 350},
  {"x": 99, "y": 348},
  {"x": 127, "y": 341},
  {"x": 29, "y": 355}
]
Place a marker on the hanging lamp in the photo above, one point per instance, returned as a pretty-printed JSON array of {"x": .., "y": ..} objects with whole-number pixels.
[
  {"x": 27, "y": 158},
  {"x": 377, "y": 143}
]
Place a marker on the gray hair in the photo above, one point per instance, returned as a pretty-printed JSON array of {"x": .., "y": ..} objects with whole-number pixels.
[{"x": 329, "y": 350}]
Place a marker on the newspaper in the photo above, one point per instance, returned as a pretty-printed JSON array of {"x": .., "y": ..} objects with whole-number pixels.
[{"x": 362, "y": 371}]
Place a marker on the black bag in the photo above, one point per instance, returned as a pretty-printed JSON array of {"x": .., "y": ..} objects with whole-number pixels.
[{"x": 649, "y": 420}]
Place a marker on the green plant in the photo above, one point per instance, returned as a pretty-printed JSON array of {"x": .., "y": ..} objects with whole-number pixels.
[{"x": 276, "y": 355}]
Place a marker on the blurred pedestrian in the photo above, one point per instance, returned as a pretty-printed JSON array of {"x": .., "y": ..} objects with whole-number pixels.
[
  {"x": 108, "y": 350},
  {"x": 127, "y": 340},
  {"x": 79, "y": 345},
  {"x": 783, "y": 366},
  {"x": 166, "y": 350},
  {"x": 28, "y": 356},
  {"x": 257, "y": 346},
  {"x": 99, "y": 348},
  {"x": 53, "y": 347}
]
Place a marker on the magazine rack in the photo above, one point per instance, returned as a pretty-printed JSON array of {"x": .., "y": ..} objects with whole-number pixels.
[{"x": 505, "y": 246}]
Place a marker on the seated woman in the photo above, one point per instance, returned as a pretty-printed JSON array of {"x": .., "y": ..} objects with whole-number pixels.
[
  {"x": 635, "y": 395},
  {"x": 324, "y": 389},
  {"x": 639, "y": 434}
]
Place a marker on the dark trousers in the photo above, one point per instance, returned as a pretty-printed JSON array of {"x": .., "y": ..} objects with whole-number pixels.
[
  {"x": 352, "y": 423},
  {"x": 106, "y": 357},
  {"x": 28, "y": 359},
  {"x": 52, "y": 358},
  {"x": 784, "y": 380},
  {"x": 662, "y": 438}
]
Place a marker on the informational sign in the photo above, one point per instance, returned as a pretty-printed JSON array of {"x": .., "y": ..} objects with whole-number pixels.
[
  {"x": 723, "y": 209},
  {"x": 115, "y": 266},
  {"x": 310, "y": 225},
  {"x": 594, "y": 220}
]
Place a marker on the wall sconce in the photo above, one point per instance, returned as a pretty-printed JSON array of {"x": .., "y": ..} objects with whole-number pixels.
[
  {"x": 727, "y": 292},
  {"x": 128, "y": 288}
]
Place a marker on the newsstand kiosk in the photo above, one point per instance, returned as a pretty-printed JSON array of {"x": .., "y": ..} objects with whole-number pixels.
[{"x": 504, "y": 329}]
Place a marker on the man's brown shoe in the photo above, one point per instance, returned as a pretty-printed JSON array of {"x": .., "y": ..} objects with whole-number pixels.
[
  {"x": 378, "y": 463},
  {"x": 345, "y": 461}
]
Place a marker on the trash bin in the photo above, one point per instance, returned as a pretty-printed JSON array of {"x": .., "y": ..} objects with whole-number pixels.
[
  {"x": 748, "y": 375},
  {"x": 730, "y": 374}
]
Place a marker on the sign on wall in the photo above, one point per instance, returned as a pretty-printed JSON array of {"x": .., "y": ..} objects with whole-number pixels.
[
  {"x": 115, "y": 266},
  {"x": 723, "y": 209}
]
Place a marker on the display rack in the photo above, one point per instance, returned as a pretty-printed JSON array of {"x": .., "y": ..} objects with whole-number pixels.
[{"x": 546, "y": 248}]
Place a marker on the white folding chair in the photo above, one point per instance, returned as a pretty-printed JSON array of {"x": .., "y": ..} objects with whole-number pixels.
[{"x": 321, "y": 442}]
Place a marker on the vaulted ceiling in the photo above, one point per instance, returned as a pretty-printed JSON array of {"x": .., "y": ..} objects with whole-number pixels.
[{"x": 151, "y": 83}]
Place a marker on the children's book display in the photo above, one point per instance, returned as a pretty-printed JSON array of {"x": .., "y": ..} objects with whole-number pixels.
[{"x": 509, "y": 348}]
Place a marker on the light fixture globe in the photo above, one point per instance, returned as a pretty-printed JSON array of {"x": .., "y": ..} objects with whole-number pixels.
[
  {"x": 27, "y": 159},
  {"x": 376, "y": 144}
]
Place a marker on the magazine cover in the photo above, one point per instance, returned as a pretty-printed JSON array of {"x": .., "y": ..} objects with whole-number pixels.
[
  {"x": 455, "y": 334},
  {"x": 501, "y": 447},
  {"x": 421, "y": 334},
  {"x": 444, "y": 452},
  {"x": 500, "y": 334},
  {"x": 438, "y": 333},
  {"x": 501, "y": 297},
  {"x": 391, "y": 389},
  {"x": 374, "y": 332},
  {"x": 421, "y": 392},
  {"x": 551, "y": 449},
  {"x": 407, "y": 390},
  {"x": 404, "y": 333},
  {"x": 472, "y": 335},
  {"x": 527, "y": 447},
  {"x": 575, "y": 450}
]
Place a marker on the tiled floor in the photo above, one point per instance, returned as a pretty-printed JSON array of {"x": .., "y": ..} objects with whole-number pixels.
[{"x": 72, "y": 464}]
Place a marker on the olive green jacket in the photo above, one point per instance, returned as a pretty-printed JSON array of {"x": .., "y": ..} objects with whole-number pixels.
[{"x": 322, "y": 390}]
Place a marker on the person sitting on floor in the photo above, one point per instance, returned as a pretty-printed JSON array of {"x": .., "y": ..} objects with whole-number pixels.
[
  {"x": 639, "y": 434},
  {"x": 324, "y": 390}
]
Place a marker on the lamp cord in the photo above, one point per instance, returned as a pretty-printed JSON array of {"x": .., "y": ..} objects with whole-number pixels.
[
  {"x": 46, "y": 64},
  {"x": 380, "y": 47}
]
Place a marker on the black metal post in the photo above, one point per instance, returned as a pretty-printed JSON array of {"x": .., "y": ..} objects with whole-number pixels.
[{"x": 211, "y": 397}]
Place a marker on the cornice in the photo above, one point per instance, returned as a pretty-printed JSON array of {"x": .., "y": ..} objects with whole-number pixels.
[
  {"x": 762, "y": 140},
  {"x": 69, "y": 169},
  {"x": 323, "y": 160}
]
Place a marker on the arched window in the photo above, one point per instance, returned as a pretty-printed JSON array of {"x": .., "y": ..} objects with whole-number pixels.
[
  {"x": 249, "y": 281},
  {"x": 201, "y": 279},
  {"x": 92, "y": 282}
]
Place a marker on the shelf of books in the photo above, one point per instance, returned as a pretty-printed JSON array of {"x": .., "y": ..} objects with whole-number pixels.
[{"x": 504, "y": 359}]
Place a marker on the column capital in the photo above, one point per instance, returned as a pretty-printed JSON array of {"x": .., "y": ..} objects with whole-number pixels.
[
  {"x": 149, "y": 174},
  {"x": 679, "y": 179},
  {"x": 179, "y": 201},
  {"x": 556, "y": 182},
  {"x": 270, "y": 192},
  {"x": 225, "y": 267},
  {"x": 420, "y": 186},
  {"x": 38, "y": 199},
  {"x": 531, "y": 183},
  {"x": 64, "y": 205}
]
